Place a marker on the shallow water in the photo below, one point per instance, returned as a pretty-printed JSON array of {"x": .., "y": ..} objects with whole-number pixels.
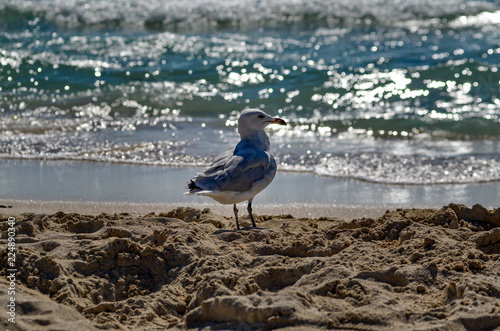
[
  {"x": 400, "y": 92},
  {"x": 114, "y": 182}
]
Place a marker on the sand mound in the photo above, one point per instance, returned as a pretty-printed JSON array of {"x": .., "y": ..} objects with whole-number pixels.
[{"x": 189, "y": 268}]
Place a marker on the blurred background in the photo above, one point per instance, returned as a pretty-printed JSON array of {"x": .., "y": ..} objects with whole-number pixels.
[{"x": 390, "y": 92}]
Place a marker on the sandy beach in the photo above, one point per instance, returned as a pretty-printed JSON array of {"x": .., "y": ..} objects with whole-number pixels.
[{"x": 153, "y": 267}]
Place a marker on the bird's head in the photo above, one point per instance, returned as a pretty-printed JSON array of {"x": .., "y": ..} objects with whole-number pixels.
[{"x": 251, "y": 120}]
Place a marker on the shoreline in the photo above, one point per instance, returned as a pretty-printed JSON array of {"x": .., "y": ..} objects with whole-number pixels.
[
  {"x": 201, "y": 166},
  {"x": 71, "y": 181},
  {"x": 313, "y": 211}
]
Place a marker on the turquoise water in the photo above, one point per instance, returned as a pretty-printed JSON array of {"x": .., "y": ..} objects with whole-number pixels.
[{"x": 392, "y": 92}]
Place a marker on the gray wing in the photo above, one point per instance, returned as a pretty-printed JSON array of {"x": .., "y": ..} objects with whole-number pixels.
[{"x": 236, "y": 172}]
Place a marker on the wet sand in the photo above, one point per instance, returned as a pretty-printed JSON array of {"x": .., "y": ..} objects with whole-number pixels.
[
  {"x": 95, "y": 207},
  {"x": 153, "y": 267}
]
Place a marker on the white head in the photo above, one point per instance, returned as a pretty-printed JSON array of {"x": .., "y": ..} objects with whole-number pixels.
[{"x": 253, "y": 120}]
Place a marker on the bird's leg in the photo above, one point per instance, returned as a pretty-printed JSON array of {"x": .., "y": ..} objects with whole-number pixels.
[
  {"x": 249, "y": 208},
  {"x": 236, "y": 216}
]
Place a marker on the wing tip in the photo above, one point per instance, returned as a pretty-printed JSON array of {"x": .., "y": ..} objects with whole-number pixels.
[{"x": 192, "y": 187}]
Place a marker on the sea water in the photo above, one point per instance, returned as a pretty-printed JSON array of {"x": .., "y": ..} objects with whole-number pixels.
[{"x": 389, "y": 92}]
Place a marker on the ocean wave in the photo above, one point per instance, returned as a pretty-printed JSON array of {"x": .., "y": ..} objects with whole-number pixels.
[
  {"x": 401, "y": 92},
  {"x": 216, "y": 14},
  {"x": 374, "y": 168},
  {"x": 412, "y": 169},
  {"x": 350, "y": 153}
]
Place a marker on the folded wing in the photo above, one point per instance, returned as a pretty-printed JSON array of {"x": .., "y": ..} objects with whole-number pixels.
[{"x": 235, "y": 172}]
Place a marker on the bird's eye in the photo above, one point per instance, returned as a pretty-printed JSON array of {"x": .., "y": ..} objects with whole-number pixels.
[{"x": 261, "y": 116}]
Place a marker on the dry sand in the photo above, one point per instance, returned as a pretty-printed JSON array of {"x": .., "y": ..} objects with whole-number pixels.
[{"x": 414, "y": 269}]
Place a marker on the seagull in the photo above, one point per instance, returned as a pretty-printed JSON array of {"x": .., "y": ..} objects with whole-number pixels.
[{"x": 241, "y": 173}]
